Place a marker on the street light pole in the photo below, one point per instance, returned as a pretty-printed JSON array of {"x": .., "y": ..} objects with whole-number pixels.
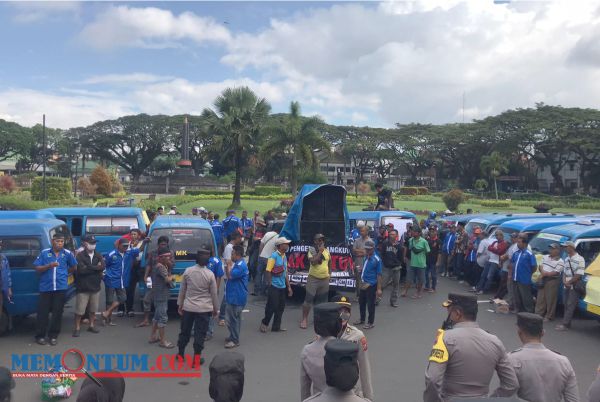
[{"x": 45, "y": 192}]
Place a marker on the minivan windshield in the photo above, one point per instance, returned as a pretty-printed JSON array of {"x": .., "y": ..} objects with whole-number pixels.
[
  {"x": 184, "y": 242},
  {"x": 541, "y": 243}
]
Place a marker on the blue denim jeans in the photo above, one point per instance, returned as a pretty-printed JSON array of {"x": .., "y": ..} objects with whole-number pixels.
[
  {"x": 459, "y": 260},
  {"x": 259, "y": 280},
  {"x": 431, "y": 272},
  {"x": 211, "y": 327},
  {"x": 487, "y": 277},
  {"x": 223, "y": 307},
  {"x": 234, "y": 322}
]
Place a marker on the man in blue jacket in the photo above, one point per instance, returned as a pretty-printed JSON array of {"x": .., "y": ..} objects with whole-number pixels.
[
  {"x": 54, "y": 266},
  {"x": 118, "y": 273},
  {"x": 231, "y": 224},
  {"x": 236, "y": 292},
  {"x": 217, "y": 228},
  {"x": 448, "y": 251}
]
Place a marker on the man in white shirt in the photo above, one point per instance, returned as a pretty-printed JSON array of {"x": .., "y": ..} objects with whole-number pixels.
[
  {"x": 548, "y": 283},
  {"x": 573, "y": 273},
  {"x": 267, "y": 247}
]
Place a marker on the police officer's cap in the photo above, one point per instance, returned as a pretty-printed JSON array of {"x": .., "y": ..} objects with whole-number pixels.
[
  {"x": 339, "y": 351},
  {"x": 342, "y": 301},
  {"x": 327, "y": 312},
  {"x": 466, "y": 302},
  {"x": 6, "y": 379},
  {"x": 532, "y": 324}
]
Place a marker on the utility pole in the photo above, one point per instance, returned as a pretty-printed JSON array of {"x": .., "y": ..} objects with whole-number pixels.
[{"x": 45, "y": 192}]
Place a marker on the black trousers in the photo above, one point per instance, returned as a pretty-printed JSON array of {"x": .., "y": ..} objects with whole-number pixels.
[
  {"x": 199, "y": 322},
  {"x": 366, "y": 298},
  {"x": 137, "y": 274},
  {"x": 50, "y": 302},
  {"x": 275, "y": 306}
]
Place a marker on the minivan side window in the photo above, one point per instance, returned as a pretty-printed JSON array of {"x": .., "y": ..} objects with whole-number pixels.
[
  {"x": 21, "y": 252},
  {"x": 110, "y": 226},
  {"x": 589, "y": 250},
  {"x": 76, "y": 226}
]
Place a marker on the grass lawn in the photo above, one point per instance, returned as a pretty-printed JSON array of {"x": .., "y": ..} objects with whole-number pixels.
[{"x": 220, "y": 206}]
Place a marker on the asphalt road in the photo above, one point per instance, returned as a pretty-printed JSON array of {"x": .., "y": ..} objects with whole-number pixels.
[{"x": 398, "y": 346}]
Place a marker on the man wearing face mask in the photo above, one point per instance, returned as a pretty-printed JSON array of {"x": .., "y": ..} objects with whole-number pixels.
[
  {"x": 88, "y": 276},
  {"x": 352, "y": 334},
  {"x": 464, "y": 357},
  {"x": 327, "y": 326}
]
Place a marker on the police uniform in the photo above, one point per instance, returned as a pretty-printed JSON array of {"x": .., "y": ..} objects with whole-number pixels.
[
  {"x": 340, "y": 362},
  {"x": 350, "y": 333},
  {"x": 544, "y": 375},
  {"x": 594, "y": 391},
  {"x": 464, "y": 358},
  {"x": 312, "y": 372}
]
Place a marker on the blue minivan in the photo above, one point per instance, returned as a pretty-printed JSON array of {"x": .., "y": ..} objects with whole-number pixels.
[
  {"x": 531, "y": 227},
  {"x": 186, "y": 235},
  {"x": 107, "y": 224},
  {"x": 375, "y": 219},
  {"x": 22, "y": 241},
  {"x": 488, "y": 223}
]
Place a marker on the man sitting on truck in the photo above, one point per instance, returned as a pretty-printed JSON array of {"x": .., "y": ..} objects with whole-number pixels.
[{"x": 384, "y": 198}]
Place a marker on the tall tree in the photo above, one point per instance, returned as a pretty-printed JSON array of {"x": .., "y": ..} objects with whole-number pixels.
[
  {"x": 236, "y": 121},
  {"x": 494, "y": 165},
  {"x": 131, "y": 142},
  {"x": 14, "y": 139},
  {"x": 297, "y": 139}
]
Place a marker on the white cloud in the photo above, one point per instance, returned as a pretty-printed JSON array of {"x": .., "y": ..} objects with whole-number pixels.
[
  {"x": 33, "y": 11},
  {"x": 150, "y": 27},
  {"x": 131, "y": 78}
]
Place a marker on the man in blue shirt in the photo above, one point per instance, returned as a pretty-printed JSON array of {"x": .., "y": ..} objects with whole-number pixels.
[
  {"x": 236, "y": 292},
  {"x": 117, "y": 275},
  {"x": 247, "y": 228},
  {"x": 370, "y": 288},
  {"x": 215, "y": 265},
  {"x": 231, "y": 224},
  {"x": 523, "y": 265},
  {"x": 277, "y": 278},
  {"x": 217, "y": 228},
  {"x": 54, "y": 266},
  {"x": 448, "y": 251}
]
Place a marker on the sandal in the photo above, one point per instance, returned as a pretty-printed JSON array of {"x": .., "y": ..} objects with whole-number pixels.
[
  {"x": 143, "y": 324},
  {"x": 167, "y": 345},
  {"x": 358, "y": 322},
  {"x": 368, "y": 326},
  {"x": 303, "y": 325},
  {"x": 153, "y": 340},
  {"x": 263, "y": 328}
]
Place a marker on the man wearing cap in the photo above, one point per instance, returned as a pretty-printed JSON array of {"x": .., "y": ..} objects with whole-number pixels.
[
  {"x": 392, "y": 263},
  {"x": 550, "y": 272},
  {"x": 358, "y": 252},
  {"x": 317, "y": 283},
  {"x": 231, "y": 224},
  {"x": 418, "y": 262},
  {"x": 117, "y": 275},
  {"x": 197, "y": 302},
  {"x": 88, "y": 278},
  {"x": 7, "y": 383},
  {"x": 54, "y": 265},
  {"x": 352, "y": 334},
  {"x": 573, "y": 273},
  {"x": 203, "y": 212},
  {"x": 522, "y": 265},
  {"x": 328, "y": 325},
  {"x": 370, "y": 287},
  {"x": 464, "y": 357},
  {"x": 544, "y": 375},
  {"x": 265, "y": 251},
  {"x": 173, "y": 210},
  {"x": 277, "y": 278},
  {"x": 341, "y": 373}
]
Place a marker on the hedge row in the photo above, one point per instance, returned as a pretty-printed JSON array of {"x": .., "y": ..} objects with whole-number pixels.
[
  {"x": 56, "y": 189},
  {"x": 495, "y": 203},
  {"x": 413, "y": 191}
]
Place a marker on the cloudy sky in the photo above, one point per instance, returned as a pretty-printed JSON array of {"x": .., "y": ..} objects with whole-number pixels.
[{"x": 360, "y": 63}]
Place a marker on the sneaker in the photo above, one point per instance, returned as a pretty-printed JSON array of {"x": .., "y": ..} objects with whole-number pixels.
[
  {"x": 473, "y": 289},
  {"x": 479, "y": 292},
  {"x": 221, "y": 323},
  {"x": 93, "y": 330},
  {"x": 394, "y": 304},
  {"x": 443, "y": 275},
  {"x": 53, "y": 341},
  {"x": 41, "y": 341},
  {"x": 231, "y": 345},
  {"x": 131, "y": 314},
  {"x": 461, "y": 282},
  {"x": 76, "y": 333},
  {"x": 561, "y": 328},
  {"x": 120, "y": 314}
]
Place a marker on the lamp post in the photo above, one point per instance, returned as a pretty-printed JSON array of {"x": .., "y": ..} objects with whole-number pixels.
[{"x": 77, "y": 150}]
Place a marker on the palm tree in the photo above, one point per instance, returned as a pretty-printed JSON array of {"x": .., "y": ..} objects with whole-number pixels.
[
  {"x": 236, "y": 121},
  {"x": 297, "y": 139},
  {"x": 494, "y": 165}
]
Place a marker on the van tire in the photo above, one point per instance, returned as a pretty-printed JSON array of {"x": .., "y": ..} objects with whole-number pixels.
[{"x": 4, "y": 323}]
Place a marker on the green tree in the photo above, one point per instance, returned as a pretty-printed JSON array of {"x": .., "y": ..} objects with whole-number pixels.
[
  {"x": 132, "y": 142},
  {"x": 494, "y": 165},
  {"x": 298, "y": 139},
  {"x": 236, "y": 122},
  {"x": 13, "y": 139}
]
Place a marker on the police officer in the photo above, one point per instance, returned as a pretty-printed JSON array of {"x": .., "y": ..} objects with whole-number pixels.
[
  {"x": 544, "y": 375},
  {"x": 350, "y": 333},
  {"x": 327, "y": 325},
  {"x": 341, "y": 373},
  {"x": 226, "y": 377},
  {"x": 464, "y": 357}
]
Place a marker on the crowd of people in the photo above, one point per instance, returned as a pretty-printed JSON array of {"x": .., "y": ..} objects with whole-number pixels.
[{"x": 386, "y": 258}]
